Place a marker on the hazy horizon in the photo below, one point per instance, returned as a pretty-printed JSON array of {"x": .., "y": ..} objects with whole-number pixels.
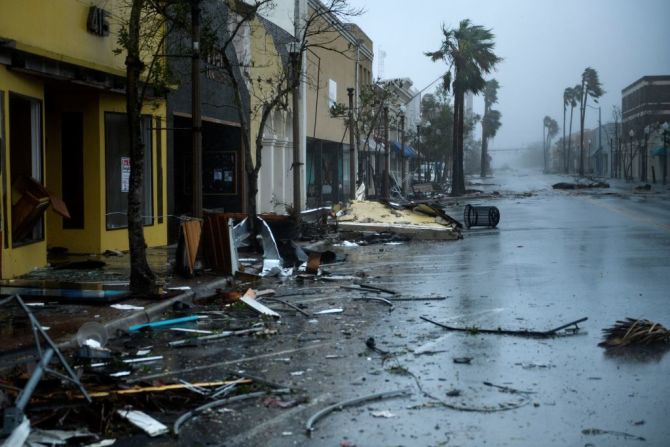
[{"x": 545, "y": 46}]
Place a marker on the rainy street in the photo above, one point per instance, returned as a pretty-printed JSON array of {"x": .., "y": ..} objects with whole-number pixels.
[{"x": 555, "y": 257}]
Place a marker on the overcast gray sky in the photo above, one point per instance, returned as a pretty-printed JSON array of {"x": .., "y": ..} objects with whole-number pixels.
[{"x": 546, "y": 44}]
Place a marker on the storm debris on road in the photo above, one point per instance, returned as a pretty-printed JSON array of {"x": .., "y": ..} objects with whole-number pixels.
[
  {"x": 565, "y": 329},
  {"x": 309, "y": 426},
  {"x": 149, "y": 425},
  {"x": 566, "y": 185},
  {"x": 630, "y": 332},
  {"x": 421, "y": 221},
  {"x": 618, "y": 434}
]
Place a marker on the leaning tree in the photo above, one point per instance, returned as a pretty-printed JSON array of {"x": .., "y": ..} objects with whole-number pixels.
[
  {"x": 590, "y": 86},
  {"x": 468, "y": 50},
  {"x": 490, "y": 121}
]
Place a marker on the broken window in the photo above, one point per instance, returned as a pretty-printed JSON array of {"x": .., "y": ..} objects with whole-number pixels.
[
  {"x": 25, "y": 157},
  {"x": 117, "y": 169}
]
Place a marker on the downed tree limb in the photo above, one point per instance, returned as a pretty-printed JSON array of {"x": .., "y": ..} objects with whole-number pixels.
[
  {"x": 518, "y": 333},
  {"x": 350, "y": 403}
]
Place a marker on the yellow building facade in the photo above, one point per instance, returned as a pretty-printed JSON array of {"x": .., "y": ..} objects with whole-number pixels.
[{"x": 63, "y": 134}]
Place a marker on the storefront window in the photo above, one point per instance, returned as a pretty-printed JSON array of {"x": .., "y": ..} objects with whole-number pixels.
[
  {"x": 29, "y": 199},
  {"x": 117, "y": 157}
]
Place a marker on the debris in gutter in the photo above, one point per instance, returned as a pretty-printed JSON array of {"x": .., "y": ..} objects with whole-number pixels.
[
  {"x": 519, "y": 333},
  {"x": 309, "y": 426},
  {"x": 151, "y": 426}
]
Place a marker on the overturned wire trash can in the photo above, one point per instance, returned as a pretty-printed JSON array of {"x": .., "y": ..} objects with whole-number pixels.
[{"x": 481, "y": 216}]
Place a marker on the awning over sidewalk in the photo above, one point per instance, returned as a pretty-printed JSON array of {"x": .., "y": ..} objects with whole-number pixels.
[
  {"x": 659, "y": 151},
  {"x": 408, "y": 151}
]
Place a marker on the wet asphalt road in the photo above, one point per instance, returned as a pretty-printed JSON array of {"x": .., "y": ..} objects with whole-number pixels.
[{"x": 555, "y": 257}]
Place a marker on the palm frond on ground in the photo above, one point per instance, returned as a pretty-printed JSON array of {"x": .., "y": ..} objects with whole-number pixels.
[{"x": 634, "y": 332}]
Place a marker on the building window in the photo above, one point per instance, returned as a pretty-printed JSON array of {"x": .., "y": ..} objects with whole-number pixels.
[
  {"x": 29, "y": 199},
  {"x": 117, "y": 158},
  {"x": 332, "y": 93}
]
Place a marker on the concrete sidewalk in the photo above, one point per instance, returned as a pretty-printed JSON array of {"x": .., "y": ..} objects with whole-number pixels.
[{"x": 63, "y": 320}]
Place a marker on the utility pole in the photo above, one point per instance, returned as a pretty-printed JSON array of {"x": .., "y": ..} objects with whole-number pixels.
[
  {"x": 403, "y": 184},
  {"x": 353, "y": 153},
  {"x": 544, "y": 147},
  {"x": 387, "y": 156},
  {"x": 196, "y": 117},
  {"x": 600, "y": 140}
]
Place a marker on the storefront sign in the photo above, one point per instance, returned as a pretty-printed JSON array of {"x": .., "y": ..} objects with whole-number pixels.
[{"x": 125, "y": 174}]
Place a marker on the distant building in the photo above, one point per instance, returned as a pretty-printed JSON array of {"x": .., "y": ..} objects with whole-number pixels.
[{"x": 645, "y": 107}]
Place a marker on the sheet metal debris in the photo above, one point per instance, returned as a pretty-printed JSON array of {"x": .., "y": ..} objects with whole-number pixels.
[{"x": 249, "y": 298}]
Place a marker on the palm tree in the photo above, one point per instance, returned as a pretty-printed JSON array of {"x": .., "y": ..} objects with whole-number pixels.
[
  {"x": 550, "y": 129},
  {"x": 469, "y": 52},
  {"x": 573, "y": 98},
  {"x": 490, "y": 98},
  {"x": 590, "y": 87}
]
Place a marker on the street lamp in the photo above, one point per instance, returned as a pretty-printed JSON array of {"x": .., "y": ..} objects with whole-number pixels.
[
  {"x": 631, "y": 134},
  {"x": 402, "y": 150},
  {"x": 664, "y": 154},
  {"x": 643, "y": 157}
]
